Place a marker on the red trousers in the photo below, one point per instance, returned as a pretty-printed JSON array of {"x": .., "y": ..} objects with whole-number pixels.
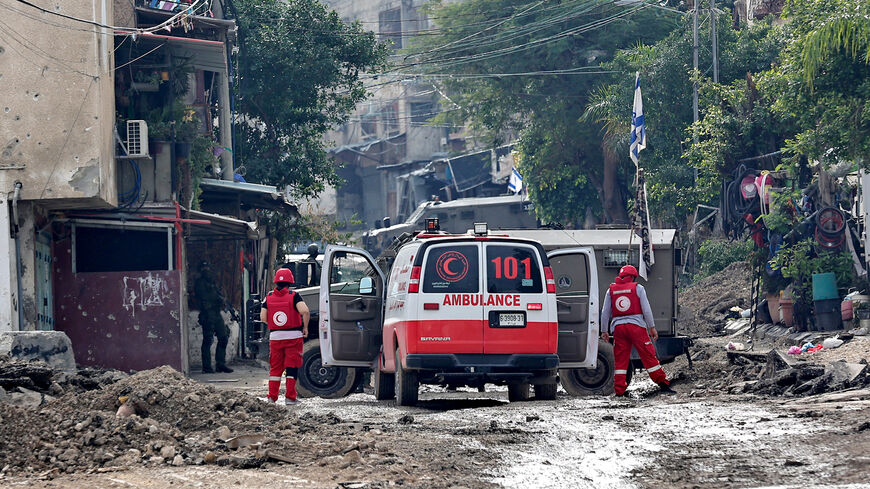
[
  {"x": 626, "y": 336},
  {"x": 284, "y": 355}
]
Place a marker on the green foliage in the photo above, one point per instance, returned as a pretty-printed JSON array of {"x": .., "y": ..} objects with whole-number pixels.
[
  {"x": 715, "y": 255},
  {"x": 201, "y": 157},
  {"x": 823, "y": 81},
  {"x": 666, "y": 80},
  {"x": 562, "y": 157},
  {"x": 162, "y": 120},
  {"x": 299, "y": 77},
  {"x": 799, "y": 261}
]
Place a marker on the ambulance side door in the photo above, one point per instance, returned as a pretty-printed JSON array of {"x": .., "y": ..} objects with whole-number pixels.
[
  {"x": 576, "y": 276},
  {"x": 352, "y": 291}
]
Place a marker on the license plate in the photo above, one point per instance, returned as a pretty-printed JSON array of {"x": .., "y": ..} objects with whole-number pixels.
[{"x": 507, "y": 319}]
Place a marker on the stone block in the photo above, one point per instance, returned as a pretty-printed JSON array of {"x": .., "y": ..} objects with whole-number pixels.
[
  {"x": 51, "y": 347},
  {"x": 845, "y": 373}
]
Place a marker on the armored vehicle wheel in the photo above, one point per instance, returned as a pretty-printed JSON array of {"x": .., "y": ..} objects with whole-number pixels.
[
  {"x": 315, "y": 380},
  {"x": 591, "y": 382}
]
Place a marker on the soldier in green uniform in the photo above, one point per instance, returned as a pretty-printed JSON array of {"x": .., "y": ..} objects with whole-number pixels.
[{"x": 210, "y": 305}]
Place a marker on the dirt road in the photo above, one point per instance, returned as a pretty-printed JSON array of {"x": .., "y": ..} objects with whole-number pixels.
[{"x": 466, "y": 439}]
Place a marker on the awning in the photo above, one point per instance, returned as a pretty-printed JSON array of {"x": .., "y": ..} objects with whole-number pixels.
[
  {"x": 197, "y": 225},
  {"x": 198, "y": 20},
  {"x": 363, "y": 146},
  {"x": 202, "y": 54},
  {"x": 471, "y": 170},
  {"x": 251, "y": 195}
]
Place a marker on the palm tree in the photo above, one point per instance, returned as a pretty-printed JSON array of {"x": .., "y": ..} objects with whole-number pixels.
[{"x": 847, "y": 32}]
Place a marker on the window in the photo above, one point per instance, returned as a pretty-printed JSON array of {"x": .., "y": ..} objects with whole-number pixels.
[
  {"x": 100, "y": 249},
  {"x": 390, "y": 23},
  {"x": 619, "y": 258},
  {"x": 346, "y": 271},
  {"x": 390, "y": 119},
  {"x": 451, "y": 269},
  {"x": 369, "y": 126},
  {"x": 422, "y": 111},
  {"x": 512, "y": 269}
]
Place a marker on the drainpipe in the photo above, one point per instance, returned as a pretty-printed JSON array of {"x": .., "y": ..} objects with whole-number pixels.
[{"x": 15, "y": 196}]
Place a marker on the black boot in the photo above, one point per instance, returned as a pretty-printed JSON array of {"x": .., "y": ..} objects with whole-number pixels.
[{"x": 224, "y": 369}]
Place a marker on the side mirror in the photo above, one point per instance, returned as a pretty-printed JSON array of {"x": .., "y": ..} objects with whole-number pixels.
[{"x": 366, "y": 286}]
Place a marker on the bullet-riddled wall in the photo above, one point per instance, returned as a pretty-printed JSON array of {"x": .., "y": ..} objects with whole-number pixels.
[
  {"x": 57, "y": 109},
  {"x": 56, "y": 136}
]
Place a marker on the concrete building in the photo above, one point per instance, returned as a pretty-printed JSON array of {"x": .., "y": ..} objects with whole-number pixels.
[
  {"x": 109, "y": 113},
  {"x": 393, "y": 157}
]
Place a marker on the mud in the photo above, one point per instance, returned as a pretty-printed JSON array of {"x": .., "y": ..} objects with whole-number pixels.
[{"x": 703, "y": 306}]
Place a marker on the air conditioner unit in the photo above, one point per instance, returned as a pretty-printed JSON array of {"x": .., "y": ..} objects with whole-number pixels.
[{"x": 137, "y": 139}]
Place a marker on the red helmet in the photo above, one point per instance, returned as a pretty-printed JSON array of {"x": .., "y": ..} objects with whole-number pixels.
[
  {"x": 284, "y": 275},
  {"x": 628, "y": 271}
]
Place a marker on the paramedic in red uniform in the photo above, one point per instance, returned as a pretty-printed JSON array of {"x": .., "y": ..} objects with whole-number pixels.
[
  {"x": 627, "y": 315},
  {"x": 287, "y": 316}
]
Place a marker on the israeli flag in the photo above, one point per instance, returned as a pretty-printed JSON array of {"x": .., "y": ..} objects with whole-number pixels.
[
  {"x": 638, "y": 127},
  {"x": 515, "y": 184}
]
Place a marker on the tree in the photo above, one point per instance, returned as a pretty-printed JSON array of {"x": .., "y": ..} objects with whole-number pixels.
[
  {"x": 526, "y": 68},
  {"x": 299, "y": 68},
  {"x": 823, "y": 81},
  {"x": 666, "y": 78}
]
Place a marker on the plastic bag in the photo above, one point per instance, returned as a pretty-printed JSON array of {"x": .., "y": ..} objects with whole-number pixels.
[{"x": 832, "y": 342}]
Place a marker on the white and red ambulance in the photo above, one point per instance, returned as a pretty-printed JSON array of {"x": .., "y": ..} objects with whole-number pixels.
[{"x": 470, "y": 309}]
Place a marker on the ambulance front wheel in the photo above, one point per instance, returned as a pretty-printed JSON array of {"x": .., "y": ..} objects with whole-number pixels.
[
  {"x": 385, "y": 383},
  {"x": 315, "y": 380},
  {"x": 406, "y": 384},
  {"x": 596, "y": 381}
]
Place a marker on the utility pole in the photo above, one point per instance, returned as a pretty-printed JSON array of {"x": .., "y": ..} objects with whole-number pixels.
[
  {"x": 714, "y": 34},
  {"x": 694, "y": 74}
]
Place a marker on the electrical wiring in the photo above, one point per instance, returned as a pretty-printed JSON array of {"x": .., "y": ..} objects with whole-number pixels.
[
  {"x": 519, "y": 31},
  {"x": 30, "y": 46},
  {"x": 479, "y": 32},
  {"x": 116, "y": 30}
]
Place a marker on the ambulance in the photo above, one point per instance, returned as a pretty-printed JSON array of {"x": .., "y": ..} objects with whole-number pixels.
[{"x": 457, "y": 310}]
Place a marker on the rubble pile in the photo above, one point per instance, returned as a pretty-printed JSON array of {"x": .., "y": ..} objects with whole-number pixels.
[
  {"x": 773, "y": 373},
  {"x": 704, "y": 305},
  {"x": 160, "y": 418}
]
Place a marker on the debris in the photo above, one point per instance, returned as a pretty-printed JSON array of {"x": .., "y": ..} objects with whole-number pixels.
[
  {"x": 735, "y": 346},
  {"x": 705, "y": 305},
  {"x": 832, "y": 343},
  {"x": 125, "y": 411},
  {"x": 243, "y": 441},
  {"x": 406, "y": 419},
  {"x": 224, "y": 433},
  {"x": 52, "y": 347}
]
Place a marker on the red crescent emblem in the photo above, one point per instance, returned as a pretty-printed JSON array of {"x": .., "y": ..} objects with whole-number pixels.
[{"x": 451, "y": 274}]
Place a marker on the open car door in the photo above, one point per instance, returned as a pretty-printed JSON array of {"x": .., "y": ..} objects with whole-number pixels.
[
  {"x": 576, "y": 276},
  {"x": 351, "y": 307}
]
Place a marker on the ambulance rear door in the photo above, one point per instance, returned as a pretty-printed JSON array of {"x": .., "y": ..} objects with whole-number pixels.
[
  {"x": 576, "y": 276},
  {"x": 515, "y": 309},
  {"x": 351, "y": 307}
]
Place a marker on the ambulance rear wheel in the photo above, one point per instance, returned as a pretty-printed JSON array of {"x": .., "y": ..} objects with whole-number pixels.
[
  {"x": 596, "y": 381},
  {"x": 545, "y": 392},
  {"x": 385, "y": 383},
  {"x": 518, "y": 392},
  {"x": 315, "y": 380},
  {"x": 406, "y": 384}
]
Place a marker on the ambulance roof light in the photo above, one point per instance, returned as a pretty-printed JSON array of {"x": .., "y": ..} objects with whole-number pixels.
[
  {"x": 432, "y": 225},
  {"x": 480, "y": 229}
]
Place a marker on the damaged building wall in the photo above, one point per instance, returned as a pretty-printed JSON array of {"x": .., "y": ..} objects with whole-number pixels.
[
  {"x": 57, "y": 114},
  {"x": 128, "y": 320},
  {"x": 56, "y": 127}
]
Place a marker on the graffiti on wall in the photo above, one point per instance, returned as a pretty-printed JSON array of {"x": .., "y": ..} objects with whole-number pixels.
[{"x": 144, "y": 292}]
